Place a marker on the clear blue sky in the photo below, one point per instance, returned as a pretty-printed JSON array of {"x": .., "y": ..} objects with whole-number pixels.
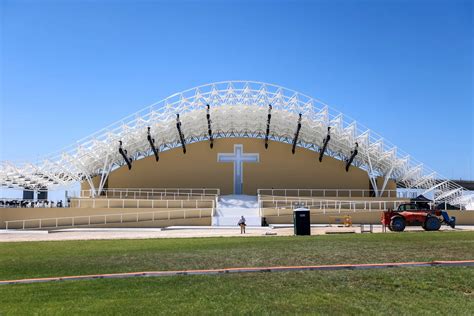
[{"x": 402, "y": 68}]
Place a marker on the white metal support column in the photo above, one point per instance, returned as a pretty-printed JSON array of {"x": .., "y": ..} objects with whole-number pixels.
[
  {"x": 78, "y": 164},
  {"x": 371, "y": 174},
  {"x": 105, "y": 173},
  {"x": 385, "y": 180}
]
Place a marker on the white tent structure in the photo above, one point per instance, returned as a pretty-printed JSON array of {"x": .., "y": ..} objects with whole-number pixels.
[{"x": 237, "y": 109}]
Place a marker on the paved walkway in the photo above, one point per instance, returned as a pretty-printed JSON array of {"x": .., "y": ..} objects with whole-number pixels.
[{"x": 182, "y": 232}]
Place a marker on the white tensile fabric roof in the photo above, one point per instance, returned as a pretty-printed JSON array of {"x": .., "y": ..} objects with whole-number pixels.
[{"x": 237, "y": 109}]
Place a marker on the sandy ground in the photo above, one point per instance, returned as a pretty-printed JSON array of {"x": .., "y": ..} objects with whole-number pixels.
[{"x": 94, "y": 234}]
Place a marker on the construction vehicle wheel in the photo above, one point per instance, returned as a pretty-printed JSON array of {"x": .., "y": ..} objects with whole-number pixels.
[
  {"x": 397, "y": 224},
  {"x": 432, "y": 223}
]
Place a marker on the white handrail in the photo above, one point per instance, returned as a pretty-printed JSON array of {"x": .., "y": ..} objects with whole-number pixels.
[
  {"x": 334, "y": 193},
  {"x": 296, "y": 200},
  {"x": 147, "y": 191},
  {"x": 340, "y": 203},
  {"x": 144, "y": 195},
  {"x": 154, "y": 203},
  {"x": 335, "y": 205},
  {"x": 137, "y": 215}
]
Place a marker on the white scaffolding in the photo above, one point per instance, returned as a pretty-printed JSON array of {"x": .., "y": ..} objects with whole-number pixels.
[{"x": 237, "y": 109}]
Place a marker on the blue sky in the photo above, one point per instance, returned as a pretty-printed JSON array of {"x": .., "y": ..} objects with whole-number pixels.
[{"x": 401, "y": 68}]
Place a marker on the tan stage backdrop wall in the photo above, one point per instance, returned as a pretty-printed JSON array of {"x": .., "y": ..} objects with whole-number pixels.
[{"x": 277, "y": 168}]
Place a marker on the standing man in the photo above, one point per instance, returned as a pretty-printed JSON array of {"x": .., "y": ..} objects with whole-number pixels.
[{"x": 242, "y": 224}]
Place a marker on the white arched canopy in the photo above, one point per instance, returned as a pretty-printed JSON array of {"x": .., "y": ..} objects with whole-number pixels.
[{"x": 236, "y": 109}]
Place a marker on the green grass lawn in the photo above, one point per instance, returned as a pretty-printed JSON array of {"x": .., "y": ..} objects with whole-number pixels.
[
  {"x": 425, "y": 291},
  {"x": 393, "y": 291},
  {"x": 59, "y": 258}
]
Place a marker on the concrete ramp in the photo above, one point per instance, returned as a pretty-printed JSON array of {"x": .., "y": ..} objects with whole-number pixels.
[{"x": 231, "y": 207}]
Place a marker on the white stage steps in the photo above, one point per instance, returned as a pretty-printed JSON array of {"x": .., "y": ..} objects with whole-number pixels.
[{"x": 231, "y": 207}]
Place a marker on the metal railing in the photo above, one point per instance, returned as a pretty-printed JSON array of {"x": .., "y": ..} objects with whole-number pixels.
[
  {"x": 334, "y": 193},
  {"x": 338, "y": 206},
  {"x": 138, "y": 203},
  {"x": 129, "y": 192},
  {"x": 290, "y": 199},
  {"x": 88, "y": 220},
  {"x": 151, "y": 196}
]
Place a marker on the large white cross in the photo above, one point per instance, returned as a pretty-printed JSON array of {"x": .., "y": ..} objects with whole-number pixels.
[{"x": 238, "y": 158}]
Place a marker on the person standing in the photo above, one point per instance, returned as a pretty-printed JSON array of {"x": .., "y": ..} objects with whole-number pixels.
[{"x": 242, "y": 224}]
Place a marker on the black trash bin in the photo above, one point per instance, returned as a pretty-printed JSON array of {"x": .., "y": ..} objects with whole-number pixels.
[{"x": 302, "y": 221}]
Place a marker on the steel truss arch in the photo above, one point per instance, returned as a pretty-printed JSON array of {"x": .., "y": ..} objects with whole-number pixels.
[{"x": 238, "y": 109}]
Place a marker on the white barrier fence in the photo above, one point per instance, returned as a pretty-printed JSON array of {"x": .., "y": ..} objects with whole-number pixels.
[
  {"x": 88, "y": 220},
  {"x": 133, "y": 193},
  {"x": 139, "y": 203},
  {"x": 335, "y": 193},
  {"x": 286, "y": 207},
  {"x": 149, "y": 196},
  {"x": 175, "y": 199}
]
